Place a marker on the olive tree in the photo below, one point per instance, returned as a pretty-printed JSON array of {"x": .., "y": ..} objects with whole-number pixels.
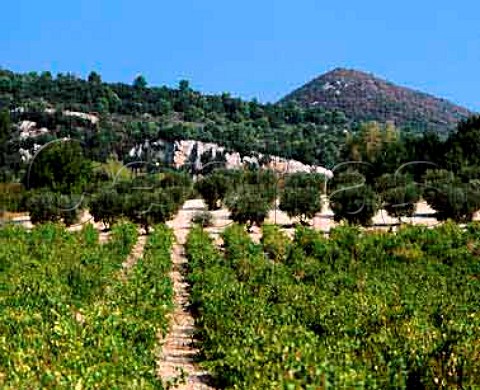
[
  {"x": 353, "y": 200},
  {"x": 399, "y": 194},
  {"x": 213, "y": 189},
  {"x": 106, "y": 206},
  {"x": 46, "y": 206},
  {"x": 301, "y": 195},
  {"x": 249, "y": 206}
]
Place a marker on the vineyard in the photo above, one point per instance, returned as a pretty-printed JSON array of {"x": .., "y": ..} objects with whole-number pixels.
[
  {"x": 70, "y": 320},
  {"x": 168, "y": 238},
  {"x": 358, "y": 310}
]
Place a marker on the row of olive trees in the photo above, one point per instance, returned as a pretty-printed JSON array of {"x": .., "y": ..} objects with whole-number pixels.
[
  {"x": 61, "y": 183},
  {"x": 249, "y": 196},
  {"x": 145, "y": 205},
  {"x": 454, "y": 197},
  {"x": 146, "y": 201}
]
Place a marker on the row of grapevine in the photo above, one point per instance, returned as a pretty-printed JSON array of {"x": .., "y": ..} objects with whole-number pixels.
[
  {"x": 358, "y": 310},
  {"x": 247, "y": 338},
  {"x": 70, "y": 320}
]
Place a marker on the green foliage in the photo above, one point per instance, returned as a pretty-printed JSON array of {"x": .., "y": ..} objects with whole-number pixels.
[
  {"x": 94, "y": 78},
  {"x": 146, "y": 200},
  {"x": 5, "y": 129},
  {"x": 171, "y": 179},
  {"x": 132, "y": 115},
  {"x": 115, "y": 170},
  {"x": 148, "y": 209},
  {"x": 203, "y": 219},
  {"x": 352, "y": 200},
  {"x": 251, "y": 196},
  {"x": 106, "y": 207},
  {"x": 301, "y": 195},
  {"x": 6, "y": 158},
  {"x": 463, "y": 146},
  {"x": 401, "y": 201},
  {"x": 265, "y": 182},
  {"x": 399, "y": 194},
  {"x": 434, "y": 177},
  {"x": 248, "y": 206},
  {"x": 383, "y": 311},
  {"x": 469, "y": 173},
  {"x": 275, "y": 243},
  {"x": 12, "y": 197},
  {"x": 451, "y": 197},
  {"x": 60, "y": 167},
  {"x": 455, "y": 201},
  {"x": 46, "y": 206},
  {"x": 213, "y": 189},
  {"x": 345, "y": 179},
  {"x": 375, "y": 149},
  {"x": 140, "y": 82},
  {"x": 313, "y": 135},
  {"x": 70, "y": 320}
]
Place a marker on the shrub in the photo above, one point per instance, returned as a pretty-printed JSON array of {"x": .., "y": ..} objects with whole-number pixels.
[
  {"x": 175, "y": 179},
  {"x": 12, "y": 197},
  {"x": 264, "y": 182},
  {"x": 148, "y": 208},
  {"x": 60, "y": 167},
  {"x": 275, "y": 242},
  {"x": 456, "y": 201},
  {"x": 203, "y": 218},
  {"x": 401, "y": 201},
  {"x": 450, "y": 197},
  {"x": 153, "y": 199}
]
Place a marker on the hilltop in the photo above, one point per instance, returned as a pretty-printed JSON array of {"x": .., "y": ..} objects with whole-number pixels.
[{"x": 364, "y": 97}]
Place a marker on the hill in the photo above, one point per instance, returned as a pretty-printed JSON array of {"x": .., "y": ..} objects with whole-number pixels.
[
  {"x": 363, "y": 97},
  {"x": 114, "y": 119},
  {"x": 128, "y": 115}
]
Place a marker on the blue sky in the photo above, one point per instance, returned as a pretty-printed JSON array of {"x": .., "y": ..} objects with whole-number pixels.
[{"x": 249, "y": 48}]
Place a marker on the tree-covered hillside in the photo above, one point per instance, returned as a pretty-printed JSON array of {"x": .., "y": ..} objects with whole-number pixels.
[
  {"x": 111, "y": 119},
  {"x": 133, "y": 114}
]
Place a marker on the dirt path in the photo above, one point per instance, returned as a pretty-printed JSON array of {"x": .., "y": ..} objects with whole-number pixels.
[
  {"x": 221, "y": 219},
  {"x": 104, "y": 237},
  {"x": 136, "y": 254},
  {"x": 323, "y": 221},
  {"x": 176, "y": 365}
]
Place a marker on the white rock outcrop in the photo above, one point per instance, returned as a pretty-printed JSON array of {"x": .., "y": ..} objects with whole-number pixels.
[
  {"x": 184, "y": 149},
  {"x": 90, "y": 117},
  {"x": 28, "y": 129}
]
